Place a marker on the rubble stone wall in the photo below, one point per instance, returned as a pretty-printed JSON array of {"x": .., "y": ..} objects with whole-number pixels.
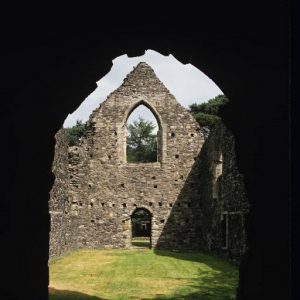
[
  {"x": 194, "y": 192},
  {"x": 223, "y": 195},
  {"x": 105, "y": 189},
  {"x": 61, "y": 225}
]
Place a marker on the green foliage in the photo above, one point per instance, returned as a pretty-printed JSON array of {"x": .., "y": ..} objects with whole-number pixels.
[
  {"x": 208, "y": 113},
  {"x": 76, "y": 132},
  {"x": 141, "y": 142},
  {"x": 206, "y": 119},
  {"x": 211, "y": 107}
]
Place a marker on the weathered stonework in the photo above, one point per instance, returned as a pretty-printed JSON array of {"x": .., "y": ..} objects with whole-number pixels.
[
  {"x": 105, "y": 189},
  {"x": 179, "y": 190},
  {"x": 223, "y": 196},
  {"x": 61, "y": 225}
]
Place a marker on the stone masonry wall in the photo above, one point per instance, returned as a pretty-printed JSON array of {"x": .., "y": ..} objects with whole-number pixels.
[
  {"x": 223, "y": 196},
  {"x": 105, "y": 189},
  {"x": 61, "y": 227},
  {"x": 194, "y": 192}
]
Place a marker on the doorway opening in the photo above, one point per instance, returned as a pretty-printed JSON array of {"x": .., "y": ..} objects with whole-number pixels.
[{"x": 141, "y": 228}]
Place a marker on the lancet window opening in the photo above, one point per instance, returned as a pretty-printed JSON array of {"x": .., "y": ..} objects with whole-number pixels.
[{"x": 143, "y": 135}]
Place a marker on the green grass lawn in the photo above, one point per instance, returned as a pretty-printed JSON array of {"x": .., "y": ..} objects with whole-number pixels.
[
  {"x": 140, "y": 242},
  {"x": 141, "y": 274}
]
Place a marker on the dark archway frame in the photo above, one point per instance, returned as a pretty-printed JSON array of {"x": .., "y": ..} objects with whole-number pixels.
[{"x": 248, "y": 62}]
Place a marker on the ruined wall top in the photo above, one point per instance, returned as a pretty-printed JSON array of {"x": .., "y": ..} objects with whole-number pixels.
[
  {"x": 106, "y": 190},
  {"x": 184, "y": 191},
  {"x": 141, "y": 86}
]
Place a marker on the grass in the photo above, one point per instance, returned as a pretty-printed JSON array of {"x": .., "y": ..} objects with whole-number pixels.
[
  {"x": 141, "y": 274},
  {"x": 140, "y": 242}
]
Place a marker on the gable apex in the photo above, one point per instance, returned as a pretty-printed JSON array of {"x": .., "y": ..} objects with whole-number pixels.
[
  {"x": 141, "y": 76},
  {"x": 144, "y": 65},
  {"x": 142, "y": 68}
]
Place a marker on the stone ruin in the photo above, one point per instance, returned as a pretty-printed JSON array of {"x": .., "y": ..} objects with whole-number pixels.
[{"x": 194, "y": 192}]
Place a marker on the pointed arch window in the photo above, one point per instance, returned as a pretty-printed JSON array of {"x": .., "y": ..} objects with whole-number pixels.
[{"x": 142, "y": 136}]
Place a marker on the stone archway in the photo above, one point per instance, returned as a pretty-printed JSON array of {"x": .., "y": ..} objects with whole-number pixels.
[
  {"x": 141, "y": 228},
  {"x": 221, "y": 55}
]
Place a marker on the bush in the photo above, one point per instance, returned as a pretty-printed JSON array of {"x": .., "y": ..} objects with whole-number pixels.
[
  {"x": 206, "y": 119},
  {"x": 76, "y": 132},
  {"x": 208, "y": 113}
]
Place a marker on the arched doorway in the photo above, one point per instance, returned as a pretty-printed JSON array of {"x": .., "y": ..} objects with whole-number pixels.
[{"x": 141, "y": 228}]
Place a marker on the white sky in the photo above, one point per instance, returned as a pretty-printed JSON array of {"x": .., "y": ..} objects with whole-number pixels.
[{"x": 187, "y": 83}]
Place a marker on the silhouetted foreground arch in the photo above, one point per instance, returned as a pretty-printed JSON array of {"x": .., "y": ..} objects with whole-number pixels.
[{"x": 247, "y": 59}]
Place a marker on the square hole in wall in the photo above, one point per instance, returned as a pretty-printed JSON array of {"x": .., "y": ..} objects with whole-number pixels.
[
  {"x": 113, "y": 205},
  {"x": 102, "y": 204},
  {"x": 176, "y": 156},
  {"x": 153, "y": 177},
  {"x": 155, "y": 186},
  {"x": 160, "y": 203},
  {"x": 170, "y": 204},
  {"x": 122, "y": 185},
  {"x": 192, "y": 134},
  {"x": 162, "y": 221},
  {"x": 124, "y": 205},
  {"x": 150, "y": 203}
]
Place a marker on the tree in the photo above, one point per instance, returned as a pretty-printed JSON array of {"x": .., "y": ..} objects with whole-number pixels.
[
  {"x": 141, "y": 142},
  {"x": 76, "y": 132},
  {"x": 208, "y": 113},
  {"x": 205, "y": 119}
]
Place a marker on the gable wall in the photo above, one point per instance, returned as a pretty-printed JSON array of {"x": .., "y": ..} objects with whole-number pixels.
[
  {"x": 103, "y": 183},
  {"x": 186, "y": 196}
]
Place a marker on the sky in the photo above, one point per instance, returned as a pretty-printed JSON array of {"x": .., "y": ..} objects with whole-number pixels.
[{"x": 187, "y": 83}]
